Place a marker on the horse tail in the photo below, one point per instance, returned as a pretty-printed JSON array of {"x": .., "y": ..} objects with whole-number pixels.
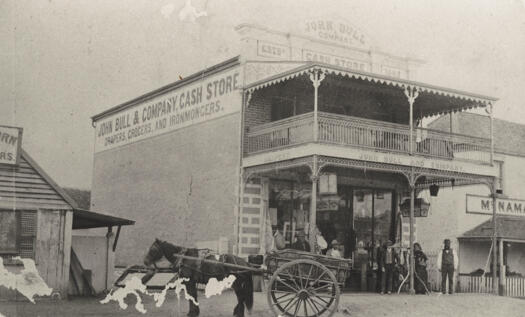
[{"x": 248, "y": 290}]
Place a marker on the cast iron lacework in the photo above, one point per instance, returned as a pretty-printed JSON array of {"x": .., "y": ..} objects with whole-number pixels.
[
  {"x": 374, "y": 78},
  {"x": 446, "y": 176},
  {"x": 450, "y": 178},
  {"x": 341, "y": 162}
]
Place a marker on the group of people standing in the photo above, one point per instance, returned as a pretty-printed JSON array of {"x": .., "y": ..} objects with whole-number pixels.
[
  {"x": 386, "y": 263},
  {"x": 387, "y": 267}
]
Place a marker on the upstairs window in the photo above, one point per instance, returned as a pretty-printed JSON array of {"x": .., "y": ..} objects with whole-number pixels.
[
  {"x": 499, "y": 179},
  {"x": 283, "y": 108}
]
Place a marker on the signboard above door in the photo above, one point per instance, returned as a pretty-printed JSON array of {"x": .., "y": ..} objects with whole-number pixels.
[
  {"x": 483, "y": 205},
  {"x": 10, "y": 145}
]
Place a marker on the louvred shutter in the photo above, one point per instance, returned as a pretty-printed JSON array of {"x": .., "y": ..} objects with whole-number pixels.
[{"x": 28, "y": 227}]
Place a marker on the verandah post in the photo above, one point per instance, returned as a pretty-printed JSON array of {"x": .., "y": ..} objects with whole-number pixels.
[
  {"x": 411, "y": 93},
  {"x": 501, "y": 270},
  {"x": 411, "y": 247},
  {"x": 494, "y": 235},
  {"x": 316, "y": 77},
  {"x": 313, "y": 203}
]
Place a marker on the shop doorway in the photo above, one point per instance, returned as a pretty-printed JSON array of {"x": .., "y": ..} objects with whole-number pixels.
[
  {"x": 373, "y": 219},
  {"x": 361, "y": 215}
]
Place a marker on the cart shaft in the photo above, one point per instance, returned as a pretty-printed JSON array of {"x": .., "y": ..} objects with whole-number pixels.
[{"x": 230, "y": 265}]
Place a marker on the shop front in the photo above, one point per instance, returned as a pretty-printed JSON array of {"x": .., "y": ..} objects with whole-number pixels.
[
  {"x": 339, "y": 154},
  {"x": 353, "y": 212}
]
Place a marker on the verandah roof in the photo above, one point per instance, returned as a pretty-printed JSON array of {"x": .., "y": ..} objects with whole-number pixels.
[
  {"x": 432, "y": 100},
  {"x": 506, "y": 228}
]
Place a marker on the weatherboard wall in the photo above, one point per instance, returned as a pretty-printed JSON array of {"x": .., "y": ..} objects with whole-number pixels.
[
  {"x": 25, "y": 188},
  {"x": 22, "y": 186}
]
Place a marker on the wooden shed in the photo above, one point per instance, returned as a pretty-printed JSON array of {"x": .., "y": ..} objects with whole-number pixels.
[{"x": 36, "y": 221}]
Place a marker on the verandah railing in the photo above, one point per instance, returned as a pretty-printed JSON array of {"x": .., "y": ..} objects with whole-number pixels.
[
  {"x": 290, "y": 131},
  {"x": 366, "y": 133}
]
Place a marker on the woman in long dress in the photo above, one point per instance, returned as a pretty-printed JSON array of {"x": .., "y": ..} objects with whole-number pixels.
[{"x": 421, "y": 278}]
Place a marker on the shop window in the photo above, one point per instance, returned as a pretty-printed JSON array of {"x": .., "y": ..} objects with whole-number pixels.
[
  {"x": 18, "y": 233},
  {"x": 289, "y": 207}
]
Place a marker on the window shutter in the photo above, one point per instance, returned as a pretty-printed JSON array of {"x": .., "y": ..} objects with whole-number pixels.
[{"x": 28, "y": 227}]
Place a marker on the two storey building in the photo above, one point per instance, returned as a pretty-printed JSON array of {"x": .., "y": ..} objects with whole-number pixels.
[{"x": 317, "y": 127}]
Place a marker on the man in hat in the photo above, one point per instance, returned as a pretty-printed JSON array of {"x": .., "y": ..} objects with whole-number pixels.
[
  {"x": 388, "y": 260},
  {"x": 301, "y": 244},
  {"x": 334, "y": 250},
  {"x": 447, "y": 263}
]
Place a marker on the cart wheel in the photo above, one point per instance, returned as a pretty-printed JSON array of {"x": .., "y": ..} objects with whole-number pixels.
[{"x": 303, "y": 288}]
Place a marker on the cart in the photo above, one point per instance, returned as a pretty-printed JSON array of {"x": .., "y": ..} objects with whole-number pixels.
[
  {"x": 301, "y": 284},
  {"x": 305, "y": 284}
]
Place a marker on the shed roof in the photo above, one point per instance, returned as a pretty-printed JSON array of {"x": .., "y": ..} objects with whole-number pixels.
[
  {"x": 86, "y": 219},
  {"x": 509, "y": 137},
  {"x": 28, "y": 183},
  {"x": 506, "y": 228}
]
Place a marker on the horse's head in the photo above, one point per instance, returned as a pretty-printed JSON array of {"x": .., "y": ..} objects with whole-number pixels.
[
  {"x": 159, "y": 250},
  {"x": 154, "y": 254}
]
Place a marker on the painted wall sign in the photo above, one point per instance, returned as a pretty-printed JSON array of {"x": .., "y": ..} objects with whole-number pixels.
[
  {"x": 256, "y": 71},
  {"x": 393, "y": 72},
  {"x": 483, "y": 205},
  {"x": 206, "y": 99},
  {"x": 10, "y": 145},
  {"x": 267, "y": 49},
  {"x": 335, "y": 60},
  {"x": 336, "y": 31}
]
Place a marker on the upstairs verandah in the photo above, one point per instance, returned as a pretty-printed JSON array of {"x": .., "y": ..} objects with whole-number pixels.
[{"x": 327, "y": 105}]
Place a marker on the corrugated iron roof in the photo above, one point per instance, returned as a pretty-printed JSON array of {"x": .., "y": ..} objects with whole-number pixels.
[{"x": 506, "y": 228}]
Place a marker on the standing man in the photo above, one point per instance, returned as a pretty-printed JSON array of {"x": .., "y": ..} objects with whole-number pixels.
[
  {"x": 389, "y": 259},
  {"x": 447, "y": 264}
]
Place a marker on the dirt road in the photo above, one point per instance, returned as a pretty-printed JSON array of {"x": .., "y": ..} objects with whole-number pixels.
[{"x": 358, "y": 305}]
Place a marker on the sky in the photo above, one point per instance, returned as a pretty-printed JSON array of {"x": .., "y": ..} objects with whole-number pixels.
[{"x": 64, "y": 61}]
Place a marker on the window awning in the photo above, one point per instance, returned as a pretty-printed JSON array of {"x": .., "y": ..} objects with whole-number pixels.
[{"x": 86, "y": 219}]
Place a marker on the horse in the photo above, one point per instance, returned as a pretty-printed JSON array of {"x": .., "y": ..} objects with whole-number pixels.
[{"x": 200, "y": 272}]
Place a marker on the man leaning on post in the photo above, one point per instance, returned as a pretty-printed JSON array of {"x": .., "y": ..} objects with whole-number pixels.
[{"x": 447, "y": 263}]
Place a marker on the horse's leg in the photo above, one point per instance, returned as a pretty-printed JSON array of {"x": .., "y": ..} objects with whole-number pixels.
[
  {"x": 191, "y": 287},
  {"x": 238, "y": 311}
]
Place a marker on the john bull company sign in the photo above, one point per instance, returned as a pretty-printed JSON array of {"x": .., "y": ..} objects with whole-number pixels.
[
  {"x": 10, "y": 144},
  {"x": 207, "y": 99},
  {"x": 483, "y": 205},
  {"x": 336, "y": 31}
]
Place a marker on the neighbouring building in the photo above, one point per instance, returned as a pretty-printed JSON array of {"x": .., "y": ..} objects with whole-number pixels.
[
  {"x": 465, "y": 212},
  {"x": 311, "y": 127},
  {"x": 38, "y": 220}
]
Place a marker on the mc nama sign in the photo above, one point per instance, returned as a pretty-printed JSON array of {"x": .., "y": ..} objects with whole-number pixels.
[
  {"x": 483, "y": 205},
  {"x": 10, "y": 145}
]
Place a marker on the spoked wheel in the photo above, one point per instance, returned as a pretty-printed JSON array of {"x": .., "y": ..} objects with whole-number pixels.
[{"x": 303, "y": 288}]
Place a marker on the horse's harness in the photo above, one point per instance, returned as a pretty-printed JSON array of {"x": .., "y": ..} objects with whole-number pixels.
[
  {"x": 179, "y": 264},
  {"x": 202, "y": 256}
]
